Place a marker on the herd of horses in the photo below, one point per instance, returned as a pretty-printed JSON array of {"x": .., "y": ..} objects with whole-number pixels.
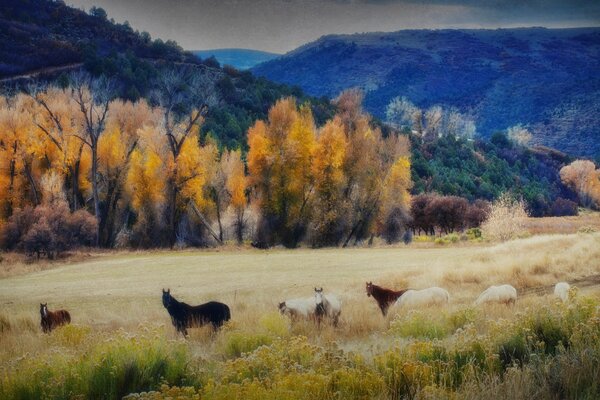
[{"x": 318, "y": 308}]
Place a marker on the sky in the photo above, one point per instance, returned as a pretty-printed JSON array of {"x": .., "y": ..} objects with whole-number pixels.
[{"x": 282, "y": 25}]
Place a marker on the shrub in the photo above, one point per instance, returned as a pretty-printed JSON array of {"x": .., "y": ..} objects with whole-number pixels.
[
  {"x": 513, "y": 351},
  {"x": 48, "y": 229},
  {"x": 563, "y": 207},
  {"x": 506, "y": 219}
]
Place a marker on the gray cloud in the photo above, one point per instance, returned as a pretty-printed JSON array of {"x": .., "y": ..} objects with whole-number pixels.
[{"x": 281, "y": 25}]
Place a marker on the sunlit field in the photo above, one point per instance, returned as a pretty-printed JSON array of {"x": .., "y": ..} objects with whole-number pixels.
[{"x": 121, "y": 340}]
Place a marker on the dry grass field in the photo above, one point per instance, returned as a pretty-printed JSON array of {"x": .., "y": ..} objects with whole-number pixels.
[{"x": 116, "y": 296}]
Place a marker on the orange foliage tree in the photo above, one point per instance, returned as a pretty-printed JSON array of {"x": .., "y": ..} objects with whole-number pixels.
[
  {"x": 279, "y": 162},
  {"x": 584, "y": 178}
]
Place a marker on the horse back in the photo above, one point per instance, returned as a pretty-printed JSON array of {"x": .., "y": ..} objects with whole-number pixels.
[{"x": 63, "y": 316}]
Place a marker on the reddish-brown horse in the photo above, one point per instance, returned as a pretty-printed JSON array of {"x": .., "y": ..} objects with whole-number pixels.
[
  {"x": 384, "y": 297},
  {"x": 53, "y": 319}
]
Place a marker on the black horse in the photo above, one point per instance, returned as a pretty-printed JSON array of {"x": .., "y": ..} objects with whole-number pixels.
[{"x": 184, "y": 316}]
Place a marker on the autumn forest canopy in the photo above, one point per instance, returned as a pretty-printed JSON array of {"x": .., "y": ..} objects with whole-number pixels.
[{"x": 143, "y": 147}]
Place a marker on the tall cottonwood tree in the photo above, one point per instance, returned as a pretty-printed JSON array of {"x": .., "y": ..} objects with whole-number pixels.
[
  {"x": 279, "y": 162},
  {"x": 59, "y": 122},
  {"x": 184, "y": 96},
  {"x": 115, "y": 149},
  {"x": 93, "y": 98},
  {"x": 19, "y": 166}
]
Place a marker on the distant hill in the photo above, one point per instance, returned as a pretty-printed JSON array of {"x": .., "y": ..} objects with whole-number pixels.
[
  {"x": 45, "y": 40},
  {"x": 546, "y": 79},
  {"x": 241, "y": 59}
]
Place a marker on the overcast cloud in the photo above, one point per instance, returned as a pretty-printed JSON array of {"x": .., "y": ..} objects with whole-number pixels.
[{"x": 282, "y": 25}]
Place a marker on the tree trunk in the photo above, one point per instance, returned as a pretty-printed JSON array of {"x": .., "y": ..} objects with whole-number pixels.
[
  {"x": 97, "y": 211},
  {"x": 34, "y": 190}
]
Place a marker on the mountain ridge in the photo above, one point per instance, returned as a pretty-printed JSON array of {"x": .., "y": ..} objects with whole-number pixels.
[
  {"x": 546, "y": 79},
  {"x": 239, "y": 58}
]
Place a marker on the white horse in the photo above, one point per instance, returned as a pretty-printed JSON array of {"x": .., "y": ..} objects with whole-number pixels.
[
  {"x": 299, "y": 308},
  {"x": 498, "y": 294},
  {"x": 424, "y": 297},
  {"x": 561, "y": 290},
  {"x": 328, "y": 306}
]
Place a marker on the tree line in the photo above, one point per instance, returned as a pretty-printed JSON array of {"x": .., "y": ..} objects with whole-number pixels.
[{"x": 141, "y": 174}]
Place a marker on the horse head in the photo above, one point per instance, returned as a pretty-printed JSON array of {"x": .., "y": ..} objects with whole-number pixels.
[
  {"x": 369, "y": 289},
  {"x": 282, "y": 307},
  {"x": 166, "y": 297},
  {"x": 44, "y": 309},
  {"x": 320, "y": 308}
]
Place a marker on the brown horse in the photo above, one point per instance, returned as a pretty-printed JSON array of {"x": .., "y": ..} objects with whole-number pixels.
[
  {"x": 384, "y": 297},
  {"x": 53, "y": 319}
]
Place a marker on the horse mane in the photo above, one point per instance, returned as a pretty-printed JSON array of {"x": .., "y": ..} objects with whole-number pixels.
[
  {"x": 380, "y": 291},
  {"x": 385, "y": 297}
]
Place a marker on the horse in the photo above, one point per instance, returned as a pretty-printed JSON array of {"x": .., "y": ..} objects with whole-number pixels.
[
  {"x": 328, "y": 306},
  {"x": 184, "y": 316},
  {"x": 384, "y": 297},
  {"x": 53, "y": 319},
  {"x": 299, "y": 308},
  {"x": 498, "y": 294},
  {"x": 561, "y": 290},
  {"x": 423, "y": 297}
]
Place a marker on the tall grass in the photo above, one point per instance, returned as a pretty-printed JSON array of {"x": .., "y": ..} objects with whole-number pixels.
[{"x": 549, "y": 350}]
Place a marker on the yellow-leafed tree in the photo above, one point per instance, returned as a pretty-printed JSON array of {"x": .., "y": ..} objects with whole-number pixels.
[
  {"x": 329, "y": 221},
  {"x": 279, "y": 162}
]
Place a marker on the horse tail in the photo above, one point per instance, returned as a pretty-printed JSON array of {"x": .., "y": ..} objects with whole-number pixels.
[
  {"x": 67, "y": 317},
  {"x": 227, "y": 314}
]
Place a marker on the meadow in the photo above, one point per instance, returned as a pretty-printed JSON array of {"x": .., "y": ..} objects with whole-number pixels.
[{"x": 122, "y": 343}]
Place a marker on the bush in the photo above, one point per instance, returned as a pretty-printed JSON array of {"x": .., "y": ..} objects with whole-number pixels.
[
  {"x": 506, "y": 219},
  {"x": 563, "y": 207},
  {"x": 48, "y": 230}
]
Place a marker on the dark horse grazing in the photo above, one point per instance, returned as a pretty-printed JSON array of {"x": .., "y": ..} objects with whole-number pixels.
[
  {"x": 51, "y": 320},
  {"x": 184, "y": 316},
  {"x": 384, "y": 297}
]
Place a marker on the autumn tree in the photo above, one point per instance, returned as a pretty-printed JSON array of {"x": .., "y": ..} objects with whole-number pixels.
[
  {"x": 227, "y": 189},
  {"x": 519, "y": 135},
  {"x": 92, "y": 97},
  {"x": 236, "y": 184},
  {"x": 184, "y": 96},
  {"x": 20, "y": 168},
  {"x": 584, "y": 178},
  {"x": 429, "y": 124},
  {"x": 367, "y": 166},
  {"x": 329, "y": 222},
  {"x": 58, "y": 123},
  {"x": 394, "y": 213},
  {"x": 279, "y": 162},
  {"x": 115, "y": 149}
]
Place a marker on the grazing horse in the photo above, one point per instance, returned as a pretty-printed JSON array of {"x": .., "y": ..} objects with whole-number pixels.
[
  {"x": 327, "y": 305},
  {"x": 51, "y": 320},
  {"x": 424, "y": 297},
  {"x": 384, "y": 297},
  {"x": 299, "y": 308},
  {"x": 184, "y": 316}
]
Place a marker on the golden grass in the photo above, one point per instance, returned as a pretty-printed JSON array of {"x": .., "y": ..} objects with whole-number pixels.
[
  {"x": 563, "y": 225},
  {"x": 119, "y": 294},
  {"x": 123, "y": 290}
]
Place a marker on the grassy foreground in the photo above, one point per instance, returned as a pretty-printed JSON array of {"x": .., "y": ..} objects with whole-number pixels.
[{"x": 121, "y": 341}]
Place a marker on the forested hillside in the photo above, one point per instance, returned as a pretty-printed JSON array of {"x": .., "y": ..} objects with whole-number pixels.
[
  {"x": 41, "y": 36},
  {"x": 545, "y": 79}
]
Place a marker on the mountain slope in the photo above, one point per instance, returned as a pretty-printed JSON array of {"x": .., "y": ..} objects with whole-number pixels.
[
  {"x": 239, "y": 58},
  {"x": 546, "y": 79},
  {"x": 45, "y": 40}
]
